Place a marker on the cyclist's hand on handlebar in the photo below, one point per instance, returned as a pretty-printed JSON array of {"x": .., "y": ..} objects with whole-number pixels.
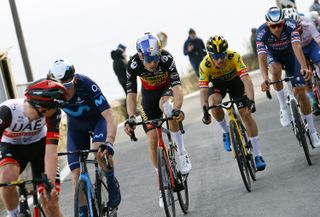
[
  {"x": 106, "y": 147},
  {"x": 306, "y": 73},
  {"x": 206, "y": 119},
  {"x": 251, "y": 106},
  {"x": 177, "y": 115},
  {"x": 130, "y": 125},
  {"x": 265, "y": 86}
]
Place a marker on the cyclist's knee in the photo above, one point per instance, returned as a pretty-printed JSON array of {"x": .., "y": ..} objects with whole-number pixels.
[
  {"x": 9, "y": 172},
  {"x": 275, "y": 70}
]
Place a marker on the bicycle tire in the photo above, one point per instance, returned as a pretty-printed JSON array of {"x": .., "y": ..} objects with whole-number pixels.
[
  {"x": 82, "y": 188},
  {"x": 300, "y": 130},
  {"x": 239, "y": 154},
  {"x": 183, "y": 195},
  {"x": 165, "y": 184},
  {"x": 102, "y": 197},
  {"x": 249, "y": 149}
]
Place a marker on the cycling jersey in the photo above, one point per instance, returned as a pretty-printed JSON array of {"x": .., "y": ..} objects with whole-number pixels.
[
  {"x": 269, "y": 43},
  {"x": 15, "y": 127},
  {"x": 88, "y": 100},
  {"x": 166, "y": 73},
  {"x": 308, "y": 31},
  {"x": 233, "y": 67}
]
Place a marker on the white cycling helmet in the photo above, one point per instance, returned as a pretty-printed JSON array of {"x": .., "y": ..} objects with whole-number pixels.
[
  {"x": 292, "y": 13},
  {"x": 62, "y": 70},
  {"x": 274, "y": 15},
  {"x": 314, "y": 16}
]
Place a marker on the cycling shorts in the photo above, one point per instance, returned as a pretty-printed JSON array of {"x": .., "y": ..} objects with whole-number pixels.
[
  {"x": 22, "y": 154},
  {"x": 234, "y": 87},
  {"x": 312, "y": 51},
  {"x": 150, "y": 104},
  {"x": 79, "y": 136},
  {"x": 290, "y": 64}
]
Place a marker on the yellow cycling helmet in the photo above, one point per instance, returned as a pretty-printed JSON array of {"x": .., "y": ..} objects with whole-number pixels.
[{"x": 217, "y": 47}]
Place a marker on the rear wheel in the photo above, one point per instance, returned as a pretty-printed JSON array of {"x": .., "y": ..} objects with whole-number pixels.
[
  {"x": 183, "y": 195},
  {"x": 165, "y": 184},
  {"x": 81, "y": 199},
  {"x": 300, "y": 130},
  {"x": 240, "y": 155}
]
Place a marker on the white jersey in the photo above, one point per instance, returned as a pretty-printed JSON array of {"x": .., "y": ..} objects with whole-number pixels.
[
  {"x": 21, "y": 130},
  {"x": 309, "y": 31}
]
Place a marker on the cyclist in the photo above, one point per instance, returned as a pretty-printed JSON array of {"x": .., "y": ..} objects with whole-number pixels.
[
  {"x": 226, "y": 71},
  {"x": 278, "y": 45},
  {"x": 87, "y": 111},
  {"x": 160, "y": 81},
  {"x": 29, "y": 132},
  {"x": 310, "y": 40}
]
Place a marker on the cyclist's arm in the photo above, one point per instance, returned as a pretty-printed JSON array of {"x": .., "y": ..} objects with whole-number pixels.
[
  {"x": 5, "y": 118},
  {"x": 177, "y": 97},
  {"x": 111, "y": 125},
  {"x": 204, "y": 97},
  {"x": 248, "y": 85},
  {"x": 132, "y": 87},
  {"x": 52, "y": 140},
  {"x": 131, "y": 104},
  {"x": 263, "y": 66},
  {"x": 297, "y": 49}
]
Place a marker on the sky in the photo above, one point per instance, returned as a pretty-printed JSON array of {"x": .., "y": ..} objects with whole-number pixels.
[{"x": 86, "y": 31}]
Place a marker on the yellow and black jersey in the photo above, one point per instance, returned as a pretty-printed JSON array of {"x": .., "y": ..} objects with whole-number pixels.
[{"x": 233, "y": 66}]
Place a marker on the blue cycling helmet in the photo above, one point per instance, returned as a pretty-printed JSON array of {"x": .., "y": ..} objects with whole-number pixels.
[
  {"x": 274, "y": 15},
  {"x": 149, "y": 47}
]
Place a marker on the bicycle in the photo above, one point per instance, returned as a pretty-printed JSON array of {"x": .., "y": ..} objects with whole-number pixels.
[
  {"x": 242, "y": 147},
  {"x": 24, "y": 210},
  {"x": 94, "y": 193},
  {"x": 315, "y": 84},
  {"x": 170, "y": 178},
  {"x": 299, "y": 127}
]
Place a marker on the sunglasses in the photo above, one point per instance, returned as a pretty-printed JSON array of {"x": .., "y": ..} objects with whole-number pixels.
[
  {"x": 150, "y": 59},
  {"x": 217, "y": 56},
  {"x": 69, "y": 84},
  {"x": 276, "y": 25}
]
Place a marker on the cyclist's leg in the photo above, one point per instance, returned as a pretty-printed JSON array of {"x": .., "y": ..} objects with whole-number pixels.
[
  {"x": 216, "y": 94},
  {"x": 12, "y": 163}
]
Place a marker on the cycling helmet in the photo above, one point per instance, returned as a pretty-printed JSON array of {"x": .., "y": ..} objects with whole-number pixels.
[
  {"x": 45, "y": 93},
  {"x": 274, "y": 15},
  {"x": 217, "y": 46},
  {"x": 149, "y": 47},
  {"x": 62, "y": 70},
  {"x": 291, "y": 13}
]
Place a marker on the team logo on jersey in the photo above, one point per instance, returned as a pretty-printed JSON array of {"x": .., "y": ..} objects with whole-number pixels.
[
  {"x": 94, "y": 88},
  {"x": 13, "y": 107},
  {"x": 79, "y": 100},
  {"x": 133, "y": 64},
  {"x": 174, "y": 75},
  {"x": 164, "y": 58},
  {"x": 100, "y": 100}
]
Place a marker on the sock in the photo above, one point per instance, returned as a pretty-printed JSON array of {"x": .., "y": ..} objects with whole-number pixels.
[
  {"x": 223, "y": 125},
  {"x": 309, "y": 119},
  {"x": 281, "y": 99},
  {"x": 255, "y": 145},
  {"x": 13, "y": 212},
  {"x": 177, "y": 137},
  {"x": 311, "y": 97}
]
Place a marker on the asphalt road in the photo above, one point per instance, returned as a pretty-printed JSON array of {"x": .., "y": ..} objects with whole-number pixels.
[{"x": 287, "y": 188}]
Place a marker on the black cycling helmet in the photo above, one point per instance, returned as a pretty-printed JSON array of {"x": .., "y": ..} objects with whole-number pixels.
[
  {"x": 274, "y": 15},
  {"x": 46, "y": 93},
  {"x": 62, "y": 70}
]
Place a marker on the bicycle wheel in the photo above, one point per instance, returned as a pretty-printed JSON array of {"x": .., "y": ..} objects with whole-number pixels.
[
  {"x": 240, "y": 155},
  {"x": 249, "y": 149},
  {"x": 183, "y": 195},
  {"x": 300, "y": 130},
  {"x": 102, "y": 198},
  {"x": 165, "y": 183},
  {"x": 81, "y": 192}
]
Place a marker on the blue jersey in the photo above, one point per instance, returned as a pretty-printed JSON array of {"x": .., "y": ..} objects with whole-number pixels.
[
  {"x": 269, "y": 43},
  {"x": 88, "y": 101}
]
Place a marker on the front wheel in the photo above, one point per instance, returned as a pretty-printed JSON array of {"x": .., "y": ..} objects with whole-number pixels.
[
  {"x": 300, "y": 130},
  {"x": 81, "y": 199},
  {"x": 183, "y": 195},
  {"x": 240, "y": 155},
  {"x": 166, "y": 187}
]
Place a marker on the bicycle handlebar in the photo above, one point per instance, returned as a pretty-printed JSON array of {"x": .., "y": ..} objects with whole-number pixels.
[
  {"x": 154, "y": 122},
  {"x": 78, "y": 152},
  {"x": 286, "y": 79}
]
